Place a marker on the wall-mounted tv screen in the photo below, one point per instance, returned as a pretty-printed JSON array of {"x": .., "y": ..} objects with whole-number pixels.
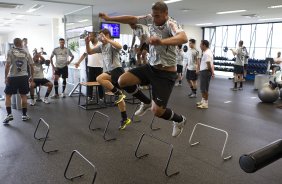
[{"x": 114, "y": 28}]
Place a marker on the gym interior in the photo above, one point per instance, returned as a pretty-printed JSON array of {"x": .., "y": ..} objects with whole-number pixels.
[{"x": 237, "y": 139}]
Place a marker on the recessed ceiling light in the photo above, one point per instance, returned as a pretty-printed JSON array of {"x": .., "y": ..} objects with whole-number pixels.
[
  {"x": 35, "y": 8},
  {"x": 233, "y": 11},
  {"x": 204, "y": 24},
  {"x": 276, "y": 6},
  {"x": 171, "y": 1},
  {"x": 84, "y": 20},
  {"x": 270, "y": 19}
]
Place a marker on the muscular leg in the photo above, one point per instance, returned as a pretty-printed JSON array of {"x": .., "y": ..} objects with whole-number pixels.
[
  {"x": 49, "y": 86},
  {"x": 56, "y": 84},
  {"x": 24, "y": 104},
  {"x": 32, "y": 86}
]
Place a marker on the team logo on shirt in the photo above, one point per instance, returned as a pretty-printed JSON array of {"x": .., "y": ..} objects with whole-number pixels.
[{"x": 19, "y": 65}]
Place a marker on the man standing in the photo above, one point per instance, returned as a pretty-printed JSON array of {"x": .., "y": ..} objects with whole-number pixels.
[
  {"x": 238, "y": 66},
  {"x": 192, "y": 68},
  {"x": 206, "y": 72},
  {"x": 138, "y": 31},
  {"x": 165, "y": 35},
  {"x": 94, "y": 67},
  {"x": 179, "y": 66},
  {"x": 61, "y": 68},
  {"x": 16, "y": 78}
]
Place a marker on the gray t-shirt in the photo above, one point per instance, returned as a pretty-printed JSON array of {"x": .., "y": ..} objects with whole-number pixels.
[
  {"x": 161, "y": 54},
  {"x": 61, "y": 56},
  {"x": 193, "y": 56},
  {"x": 110, "y": 56},
  {"x": 240, "y": 57},
  {"x": 19, "y": 60},
  {"x": 179, "y": 56},
  {"x": 38, "y": 70}
]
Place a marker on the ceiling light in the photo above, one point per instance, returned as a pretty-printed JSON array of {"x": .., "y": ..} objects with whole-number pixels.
[
  {"x": 276, "y": 6},
  {"x": 10, "y": 5},
  {"x": 84, "y": 20},
  {"x": 270, "y": 19},
  {"x": 233, "y": 11},
  {"x": 35, "y": 8},
  {"x": 204, "y": 24},
  {"x": 171, "y": 1}
]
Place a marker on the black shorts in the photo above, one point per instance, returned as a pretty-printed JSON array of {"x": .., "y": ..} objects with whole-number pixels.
[
  {"x": 179, "y": 68},
  {"x": 17, "y": 84},
  {"x": 64, "y": 72},
  {"x": 132, "y": 61},
  {"x": 238, "y": 69},
  {"x": 115, "y": 74},
  {"x": 162, "y": 82},
  {"x": 144, "y": 46},
  {"x": 40, "y": 82},
  {"x": 205, "y": 78},
  {"x": 191, "y": 75}
]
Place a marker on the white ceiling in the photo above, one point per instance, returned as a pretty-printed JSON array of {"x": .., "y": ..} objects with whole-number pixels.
[{"x": 202, "y": 11}]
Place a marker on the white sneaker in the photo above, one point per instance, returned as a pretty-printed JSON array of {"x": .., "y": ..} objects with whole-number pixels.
[
  {"x": 203, "y": 106},
  {"x": 177, "y": 84},
  {"x": 63, "y": 95},
  {"x": 199, "y": 103},
  {"x": 142, "y": 109},
  {"x": 32, "y": 102},
  {"x": 45, "y": 100},
  {"x": 25, "y": 118},
  {"x": 193, "y": 96},
  {"x": 178, "y": 127}
]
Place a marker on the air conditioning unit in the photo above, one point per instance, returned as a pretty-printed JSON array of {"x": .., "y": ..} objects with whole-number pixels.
[{"x": 10, "y": 5}]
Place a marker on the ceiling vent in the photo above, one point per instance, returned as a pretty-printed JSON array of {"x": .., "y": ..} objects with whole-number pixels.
[{"x": 10, "y": 5}]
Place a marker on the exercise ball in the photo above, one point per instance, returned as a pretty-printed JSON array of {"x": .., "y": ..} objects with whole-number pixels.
[{"x": 268, "y": 95}]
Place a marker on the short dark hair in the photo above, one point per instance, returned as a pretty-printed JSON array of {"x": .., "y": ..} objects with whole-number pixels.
[
  {"x": 17, "y": 42},
  {"x": 61, "y": 39},
  {"x": 105, "y": 32},
  {"x": 241, "y": 42},
  {"x": 160, "y": 5},
  {"x": 24, "y": 39},
  {"x": 192, "y": 41},
  {"x": 205, "y": 43},
  {"x": 179, "y": 46}
]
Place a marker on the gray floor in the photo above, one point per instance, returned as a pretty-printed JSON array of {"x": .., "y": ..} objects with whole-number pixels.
[{"x": 250, "y": 124}]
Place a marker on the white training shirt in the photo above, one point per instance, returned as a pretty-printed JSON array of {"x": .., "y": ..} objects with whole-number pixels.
[
  {"x": 193, "y": 56},
  {"x": 179, "y": 56},
  {"x": 95, "y": 60},
  {"x": 278, "y": 59},
  {"x": 207, "y": 57}
]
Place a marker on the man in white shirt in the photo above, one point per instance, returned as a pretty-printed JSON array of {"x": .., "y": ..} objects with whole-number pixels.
[
  {"x": 143, "y": 49},
  {"x": 94, "y": 66},
  {"x": 277, "y": 63},
  {"x": 206, "y": 72},
  {"x": 192, "y": 68},
  {"x": 238, "y": 66},
  {"x": 179, "y": 66}
]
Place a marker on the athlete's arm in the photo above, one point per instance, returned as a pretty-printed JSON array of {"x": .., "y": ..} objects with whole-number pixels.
[{"x": 125, "y": 19}]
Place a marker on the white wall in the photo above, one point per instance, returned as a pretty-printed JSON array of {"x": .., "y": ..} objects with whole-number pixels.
[
  {"x": 37, "y": 37},
  {"x": 194, "y": 32}
]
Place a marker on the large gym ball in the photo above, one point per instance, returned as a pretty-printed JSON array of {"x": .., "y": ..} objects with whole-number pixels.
[{"x": 268, "y": 95}]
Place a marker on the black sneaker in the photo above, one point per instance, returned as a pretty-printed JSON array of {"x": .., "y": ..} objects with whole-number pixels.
[{"x": 8, "y": 118}]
